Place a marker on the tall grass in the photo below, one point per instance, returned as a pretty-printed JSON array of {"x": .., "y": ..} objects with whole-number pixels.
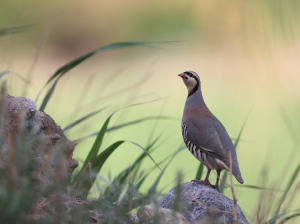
[{"x": 122, "y": 194}]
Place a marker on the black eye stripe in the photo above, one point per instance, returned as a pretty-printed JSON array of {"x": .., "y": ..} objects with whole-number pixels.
[
  {"x": 192, "y": 75},
  {"x": 188, "y": 73}
]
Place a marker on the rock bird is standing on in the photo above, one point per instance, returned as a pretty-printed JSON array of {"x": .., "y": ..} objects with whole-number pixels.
[{"x": 204, "y": 135}]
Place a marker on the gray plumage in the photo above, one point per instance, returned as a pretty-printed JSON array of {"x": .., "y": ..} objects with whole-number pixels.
[{"x": 204, "y": 134}]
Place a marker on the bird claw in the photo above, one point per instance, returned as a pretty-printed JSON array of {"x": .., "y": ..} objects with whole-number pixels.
[
  {"x": 202, "y": 182},
  {"x": 216, "y": 187},
  {"x": 207, "y": 183}
]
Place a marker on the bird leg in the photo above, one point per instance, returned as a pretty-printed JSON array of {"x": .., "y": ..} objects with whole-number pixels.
[
  {"x": 206, "y": 180},
  {"x": 216, "y": 186}
]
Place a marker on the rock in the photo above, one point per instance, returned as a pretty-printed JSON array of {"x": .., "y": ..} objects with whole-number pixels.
[
  {"x": 43, "y": 138},
  {"x": 207, "y": 209},
  {"x": 92, "y": 199},
  {"x": 134, "y": 218},
  {"x": 148, "y": 213},
  {"x": 49, "y": 151},
  {"x": 36, "y": 163}
]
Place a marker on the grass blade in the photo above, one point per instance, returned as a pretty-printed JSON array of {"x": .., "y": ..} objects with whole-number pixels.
[
  {"x": 83, "y": 119},
  {"x": 99, "y": 160},
  {"x": 96, "y": 146},
  {"x": 135, "y": 166},
  {"x": 139, "y": 121},
  {"x": 14, "y": 30},
  {"x": 288, "y": 187},
  {"x": 3, "y": 87},
  {"x": 2, "y": 74},
  {"x": 97, "y": 143},
  {"x": 283, "y": 197},
  {"x": 274, "y": 219},
  {"x": 67, "y": 67},
  {"x": 141, "y": 181},
  {"x": 154, "y": 186},
  {"x": 200, "y": 171},
  {"x": 72, "y": 64},
  {"x": 291, "y": 217},
  {"x": 138, "y": 185},
  {"x": 97, "y": 165},
  {"x": 147, "y": 153},
  {"x": 257, "y": 187},
  {"x": 48, "y": 95},
  {"x": 125, "y": 125}
]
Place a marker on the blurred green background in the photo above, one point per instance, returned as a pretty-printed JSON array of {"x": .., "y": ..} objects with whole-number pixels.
[{"x": 245, "y": 52}]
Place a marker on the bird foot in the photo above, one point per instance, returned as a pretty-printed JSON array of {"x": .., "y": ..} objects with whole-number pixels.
[
  {"x": 207, "y": 183},
  {"x": 216, "y": 187}
]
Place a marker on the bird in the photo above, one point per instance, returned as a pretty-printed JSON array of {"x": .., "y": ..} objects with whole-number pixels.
[{"x": 204, "y": 135}]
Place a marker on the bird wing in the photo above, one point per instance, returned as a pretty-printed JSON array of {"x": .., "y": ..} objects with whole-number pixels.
[{"x": 202, "y": 133}]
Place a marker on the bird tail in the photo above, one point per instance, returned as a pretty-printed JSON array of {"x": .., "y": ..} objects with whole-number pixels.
[
  {"x": 239, "y": 178},
  {"x": 235, "y": 167},
  {"x": 237, "y": 173}
]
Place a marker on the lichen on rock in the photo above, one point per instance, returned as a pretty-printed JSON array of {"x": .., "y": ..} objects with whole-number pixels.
[
  {"x": 203, "y": 204},
  {"x": 44, "y": 138},
  {"x": 30, "y": 139}
]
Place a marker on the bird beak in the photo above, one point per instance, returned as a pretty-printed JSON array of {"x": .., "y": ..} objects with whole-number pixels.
[{"x": 182, "y": 75}]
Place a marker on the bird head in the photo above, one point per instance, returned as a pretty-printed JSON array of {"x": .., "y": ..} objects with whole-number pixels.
[{"x": 191, "y": 80}]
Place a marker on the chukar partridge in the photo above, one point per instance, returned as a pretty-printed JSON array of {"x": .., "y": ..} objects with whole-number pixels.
[{"x": 204, "y": 135}]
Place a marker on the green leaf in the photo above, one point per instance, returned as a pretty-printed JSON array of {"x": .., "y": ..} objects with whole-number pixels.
[
  {"x": 154, "y": 186},
  {"x": 3, "y": 87},
  {"x": 139, "y": 184},
  {"x": 97, "y": 143},
  {"x": 2, "y": 74},
  {"x": 13, "y": 30},
  {"x": 98, "y": 163},
  {"x": 139, "y": 121},
  {"x": 288, "y": 187},
  {"x": 116, "y": 127},
  {"x": 200, "y": 171},
  {"x": 48, "y": 95},
  {"x": 67, "y": 67},
  {"x": 291, "y": 216},
  {"x": 135, "y": 166},
  {"x": 283, "y": 197},
  {"x": 99, "y": 160},
  {"x": 274, "y": 219},
  {"x": 83, "y": 119},
  {"x": 223, "y": 181},
  {"x": 147, "y": 153},
  {"x": 72, "y": 64},
  {"x": 257, "y": 187},
  {"x": 96, "y": 146}
]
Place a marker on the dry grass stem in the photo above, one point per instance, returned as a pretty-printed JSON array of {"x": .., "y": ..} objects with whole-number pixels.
[
  {"x": 39, "y": 47},
  {"x": 90, "y": 169},
  {"x": 129, "y": 195},
  {"x": 78, "y": 181},
  {"x": 12, "y": 162},
  {"x": 210, "y": 167},
  {"x": 217, "y": 210},
  {"x": 232, "y": 190}
]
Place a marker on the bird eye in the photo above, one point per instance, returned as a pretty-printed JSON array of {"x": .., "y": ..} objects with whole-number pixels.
[{"x": 189, "y": 74}]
